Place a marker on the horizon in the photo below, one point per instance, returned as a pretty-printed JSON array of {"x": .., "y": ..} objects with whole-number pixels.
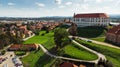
[{"x": 40, "y": 8}]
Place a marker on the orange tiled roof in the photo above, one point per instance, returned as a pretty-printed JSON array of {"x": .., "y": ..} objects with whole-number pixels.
[
  {"x": 17, "y": 46},
  {"x": 68, "y": 64}
]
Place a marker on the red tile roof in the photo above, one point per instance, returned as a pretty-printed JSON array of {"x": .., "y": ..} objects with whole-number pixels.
[
  {"x": 115, "y": 30},
  {"x": 68, "y": 64},
  {"x": 91, "y": 15},
  {"x": 82, "y": 65},
  {"x": 19, "y": 46}
]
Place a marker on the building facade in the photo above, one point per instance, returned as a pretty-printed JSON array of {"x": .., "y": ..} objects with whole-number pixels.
[
  {"x": 92, "y": 19},
  {"x": 113, "y": 34}
]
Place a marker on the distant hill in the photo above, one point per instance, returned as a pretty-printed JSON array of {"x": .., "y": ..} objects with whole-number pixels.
[
  {"x": 47, "y": 18},
  {"x": 117, "y": 16},
  {"x": 55, "y": 18}
]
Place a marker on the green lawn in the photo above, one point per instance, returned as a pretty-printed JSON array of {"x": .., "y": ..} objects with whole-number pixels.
[
  {"x": 20, "y": 53},
  {"x": 37, "y": 58},
  {"x": 112, "y": 54},
  {"x": 101, "y": 39},
  {"x": 40, "y": 39},
  {"x": 91, "y": 32},
  {"x": 75, "y": 51}
]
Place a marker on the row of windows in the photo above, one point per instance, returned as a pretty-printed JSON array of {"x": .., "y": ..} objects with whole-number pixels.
[
  {"x": 92, "y": 23},
  {"x": 91, "y": 19},
  {"x": 83, "y": 24}
]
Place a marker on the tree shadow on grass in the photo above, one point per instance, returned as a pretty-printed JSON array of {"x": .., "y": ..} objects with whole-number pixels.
[
  {"x": 91, "y": 32},
  {"x": 43, "y": 60}
]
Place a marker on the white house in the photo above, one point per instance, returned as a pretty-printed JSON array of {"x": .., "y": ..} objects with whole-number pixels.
[{"x": 91, "y": 19}]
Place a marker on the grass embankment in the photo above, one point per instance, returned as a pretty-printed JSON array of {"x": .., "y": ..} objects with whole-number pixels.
[
  {"x": 112, "y": 54},
  {"x": 91, "y": 32},
  {"x": 77, "y": 52},
  {"x": 101, "y": 39},
  {"x": 38, "y": 58}
]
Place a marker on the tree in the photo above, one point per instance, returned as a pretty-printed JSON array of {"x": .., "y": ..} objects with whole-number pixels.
[
  {"x": 46, "y": 28},
  {"x": 73, "y": 29},
  {"x": 61, "y": 37},
  {"x": 4, "y": 40},
  {"x": 36, "y": 32}
]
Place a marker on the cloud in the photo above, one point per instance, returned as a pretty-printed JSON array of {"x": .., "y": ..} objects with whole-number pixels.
[
  {"x": 40, "y": 4},
  {"x": 11, "y": 4},
  {"x": 77, "y": 5},
  {"x": 58, "y": 2},
  {"x": 61, "y": 6},
  {"x": 69, "y": 3},
  {"x": 117, "y": 3},
  {"x": 99, "y": 1},
  {"x": 85, "y": 6}
]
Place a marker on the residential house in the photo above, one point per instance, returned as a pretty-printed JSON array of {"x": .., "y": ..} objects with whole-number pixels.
[
  {"x": 25, "y": 47},
  {"x": 113, "y": 34}
]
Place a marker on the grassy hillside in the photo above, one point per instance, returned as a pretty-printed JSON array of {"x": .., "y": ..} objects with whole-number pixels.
[
  {"x": 112, "y": 54},
  {"x": 77, "y": 52},
  {"x": 101, "y": 39},
  {"x": 36, "y": 58}
]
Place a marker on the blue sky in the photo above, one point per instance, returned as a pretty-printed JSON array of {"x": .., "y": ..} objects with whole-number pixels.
[{"x": 41, "y": 8}]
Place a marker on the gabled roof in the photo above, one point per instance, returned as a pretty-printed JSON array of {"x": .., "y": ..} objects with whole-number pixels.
[
  {"x": 68, "y": 64},
  {"x": 91, "y": 15}
]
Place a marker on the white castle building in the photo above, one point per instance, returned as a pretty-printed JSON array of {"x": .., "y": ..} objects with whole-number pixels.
[{"x": 91, "y": 19}]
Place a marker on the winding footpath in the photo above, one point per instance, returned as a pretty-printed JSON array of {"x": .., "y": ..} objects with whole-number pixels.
[
  {"x": 28, "y": 37},
  {"x": 100, "y": 56},
  {"x": 100, "y": 43}
]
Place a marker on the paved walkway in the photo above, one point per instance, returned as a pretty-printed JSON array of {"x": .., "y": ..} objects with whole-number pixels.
[
  {"x": 28, "y": 37},
  {"x": 100, "y": 56},
  {"x": 100, "y": 43},
  {"x": 65, "y": 58}
]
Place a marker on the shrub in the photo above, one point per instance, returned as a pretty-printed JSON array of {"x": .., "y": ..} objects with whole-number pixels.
[
  {"x": 20, "y": 53},
  {"x": 3, "y": 52}
]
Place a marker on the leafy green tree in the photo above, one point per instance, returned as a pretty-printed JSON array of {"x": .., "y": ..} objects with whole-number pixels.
[{"x": 61, "y": 37}]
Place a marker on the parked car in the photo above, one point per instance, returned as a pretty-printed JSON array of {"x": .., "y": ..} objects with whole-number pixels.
[
  {"x": 1, "y": 60},
  {"x": 88, "y": 41},
  {"x": 5, "y": 65},
  {"x": 18, "y": 65}
]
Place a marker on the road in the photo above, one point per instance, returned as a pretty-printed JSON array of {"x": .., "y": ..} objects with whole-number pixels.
[
  {"x": 100, "y": 43},
  {"x": 65, "y": 58}
]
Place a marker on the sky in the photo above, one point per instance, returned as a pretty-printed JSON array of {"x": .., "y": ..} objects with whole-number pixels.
[{"x": 42, "y": 8}]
